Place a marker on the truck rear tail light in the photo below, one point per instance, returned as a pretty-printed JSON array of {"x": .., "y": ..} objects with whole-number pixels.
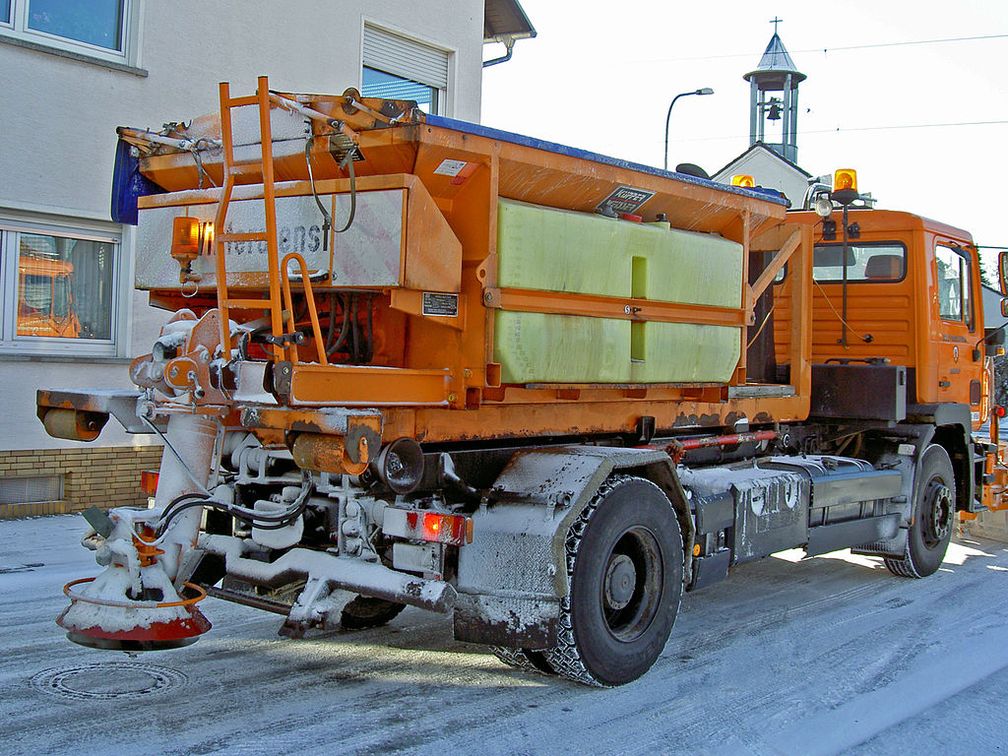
[
  {"x": 442, "y": 528},
  {"x": 433, "y": 527},
  {"x": 149, "y": 481}
]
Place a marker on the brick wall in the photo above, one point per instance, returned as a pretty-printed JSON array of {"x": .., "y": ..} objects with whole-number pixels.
[{"x": 92, "y": 476}]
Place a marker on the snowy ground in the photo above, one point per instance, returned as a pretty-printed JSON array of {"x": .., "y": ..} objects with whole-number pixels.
[{"x": 786, "y": 657}]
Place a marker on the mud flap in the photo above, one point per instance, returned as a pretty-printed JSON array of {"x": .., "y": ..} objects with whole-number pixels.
[
  {"x": 512, "y": 622},
  {"x": 512, "y": 576}
]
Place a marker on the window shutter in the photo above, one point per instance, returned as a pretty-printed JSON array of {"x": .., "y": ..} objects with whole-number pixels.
[{"x": 397, "y": 55}]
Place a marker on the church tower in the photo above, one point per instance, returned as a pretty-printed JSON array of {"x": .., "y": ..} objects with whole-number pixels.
[{"x": 773, "y": 100}]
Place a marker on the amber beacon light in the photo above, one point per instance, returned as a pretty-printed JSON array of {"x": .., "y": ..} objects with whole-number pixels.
[{"x": 844, "y": 186}]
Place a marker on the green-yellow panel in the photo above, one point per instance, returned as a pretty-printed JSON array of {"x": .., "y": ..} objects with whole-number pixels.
[
  {"x": 687, "y": 353},
  {"x": 558, "y": 250},
  {"x": 695, "y": 269},
  {"x": 538, "y": 348},
  {"x": 532, "y": 347}
]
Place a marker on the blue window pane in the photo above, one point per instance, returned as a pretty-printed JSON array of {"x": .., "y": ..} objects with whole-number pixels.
[
  {"x": 5, "y": 11},
  {"x": 392, "y": 87},
  {"x": 97, "y": 22}
]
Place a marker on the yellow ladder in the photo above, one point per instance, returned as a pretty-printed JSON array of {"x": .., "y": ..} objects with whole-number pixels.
[{"x": 282, "y": 327}]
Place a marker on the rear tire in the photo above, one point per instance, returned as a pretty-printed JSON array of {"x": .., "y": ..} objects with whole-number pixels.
[
  {"x": 933, "y": 516},
  {"x": 625, "y": 574},
  {"x": 523, "y": 659},
  {"x": 364, "y": 612}
]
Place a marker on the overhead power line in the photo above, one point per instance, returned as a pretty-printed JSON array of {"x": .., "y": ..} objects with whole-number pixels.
[
  {"x": 825, "y": 50},
  {"x": 839, "y": 129},
  {"x": 907, "y": 42},
  {"x": 843, "y": 129}
]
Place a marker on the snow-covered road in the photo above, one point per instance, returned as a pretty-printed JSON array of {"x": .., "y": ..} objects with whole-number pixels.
[{"x": 817, "y": 656}]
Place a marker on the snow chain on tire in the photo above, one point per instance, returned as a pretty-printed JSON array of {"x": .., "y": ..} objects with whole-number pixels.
[
  {"x": 517, "y": 658},
  {"x": 903, "y": 566},
  {"x": 565, "y": 657}
]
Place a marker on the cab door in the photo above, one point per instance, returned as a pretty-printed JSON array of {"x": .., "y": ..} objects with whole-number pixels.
[{"x": 956, "y": 300}]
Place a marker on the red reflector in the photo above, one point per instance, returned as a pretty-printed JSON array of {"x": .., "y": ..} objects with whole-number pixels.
[
  {"x": 632, "y": 218},
  {"x": 149, "y": 481},
  {"x": 445, "y": 528},
  {"x": 1000, "y": 411}
]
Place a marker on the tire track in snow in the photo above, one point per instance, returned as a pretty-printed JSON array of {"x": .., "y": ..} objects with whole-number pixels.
[{"x": 778, "y": 647}]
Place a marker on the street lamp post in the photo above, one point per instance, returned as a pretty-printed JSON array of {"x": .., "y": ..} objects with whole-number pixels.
[{"x": 701, "y": 91}]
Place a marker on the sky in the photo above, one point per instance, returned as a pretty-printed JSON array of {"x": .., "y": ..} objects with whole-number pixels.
[{"x": 600, "y": 76}]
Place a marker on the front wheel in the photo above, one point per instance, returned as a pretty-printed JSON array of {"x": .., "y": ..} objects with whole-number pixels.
[
  {"x": 932, "y": 517},
  {"x": 625, "y": 575}
]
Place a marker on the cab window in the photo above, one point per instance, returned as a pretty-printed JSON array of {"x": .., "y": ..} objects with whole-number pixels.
[
  {"x": 867, "y": 263},
  {"x": 953, "y": 285}
]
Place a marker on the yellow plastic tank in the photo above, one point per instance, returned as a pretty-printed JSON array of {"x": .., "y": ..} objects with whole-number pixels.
[{"x": 556, "y": 250}]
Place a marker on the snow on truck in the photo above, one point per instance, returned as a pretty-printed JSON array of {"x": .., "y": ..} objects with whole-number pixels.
[{"x": 416, "y": 361}]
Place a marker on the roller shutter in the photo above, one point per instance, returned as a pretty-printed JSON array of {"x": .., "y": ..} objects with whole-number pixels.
[{"x": 404, "y": 57}]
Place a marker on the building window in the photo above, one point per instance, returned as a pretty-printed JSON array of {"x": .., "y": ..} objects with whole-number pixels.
[
  {"x": 98, "y": 28},
  {"x": 391, "y": 87},
  {"x": 953, "y": 285},
  {"x": 399, "y": 68},
  {"x": 60, "y": 291},
  {"x": 30, "y": 490}
]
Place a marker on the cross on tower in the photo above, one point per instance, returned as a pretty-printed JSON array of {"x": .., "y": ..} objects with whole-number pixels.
[{"x": 775, "y": 21}]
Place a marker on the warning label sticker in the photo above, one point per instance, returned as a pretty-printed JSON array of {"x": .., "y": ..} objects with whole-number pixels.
[
  {"x": 440, "y": 304},
  {"x": 626, "y": 199},
  {"x": 450, "y": 167}
]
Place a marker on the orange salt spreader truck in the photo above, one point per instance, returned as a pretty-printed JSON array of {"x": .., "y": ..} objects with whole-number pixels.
[{"x": 416, "y": 361}]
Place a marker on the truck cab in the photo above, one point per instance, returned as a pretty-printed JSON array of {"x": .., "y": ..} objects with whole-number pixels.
[{"x": 912, "y": 299}]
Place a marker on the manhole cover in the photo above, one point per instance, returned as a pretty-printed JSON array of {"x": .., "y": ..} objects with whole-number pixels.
[{"x": 108, "y": 680}]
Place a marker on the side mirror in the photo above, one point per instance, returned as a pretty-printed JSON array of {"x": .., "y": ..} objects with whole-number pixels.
[
  {"x": 1004, "y": 308},
  {"x": 1003, "y": 275},
  {"x": 994, "y": 339}
]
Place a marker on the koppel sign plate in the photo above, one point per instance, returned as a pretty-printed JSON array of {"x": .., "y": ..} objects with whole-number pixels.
[{"x": 626, "y": 199}]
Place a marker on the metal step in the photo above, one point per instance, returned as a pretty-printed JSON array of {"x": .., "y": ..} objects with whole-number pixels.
[
  {"x": 249, "y": 599},
  {"x": 843, "y": 535}
]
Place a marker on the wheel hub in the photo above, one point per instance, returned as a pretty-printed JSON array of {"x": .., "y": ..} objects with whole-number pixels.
[
  {"x": 620, "y": 581},
  {"x": 938, "y": 515}
]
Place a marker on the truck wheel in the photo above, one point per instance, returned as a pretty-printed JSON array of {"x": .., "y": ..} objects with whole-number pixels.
[
  {"x": 364, "y": 612},
  {"x": 932, "y": 517},
  {"x": 625, "y": 572},
  {"x": 524, "y": 659}
]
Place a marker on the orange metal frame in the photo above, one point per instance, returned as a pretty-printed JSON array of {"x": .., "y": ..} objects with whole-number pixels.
[{"x": 276, "y": 269}]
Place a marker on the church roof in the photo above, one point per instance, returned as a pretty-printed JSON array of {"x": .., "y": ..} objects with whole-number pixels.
[
  {"x": 777, "y": 62},
  {"x": 760, "y": 147}
]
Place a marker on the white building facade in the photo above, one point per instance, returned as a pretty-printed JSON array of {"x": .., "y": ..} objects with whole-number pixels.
[{"x": 74, "y": 70}]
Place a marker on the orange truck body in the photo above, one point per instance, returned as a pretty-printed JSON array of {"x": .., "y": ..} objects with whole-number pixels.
[
  {"x": 446, "y": 386},
  {"x": 434, "y": 376}
]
